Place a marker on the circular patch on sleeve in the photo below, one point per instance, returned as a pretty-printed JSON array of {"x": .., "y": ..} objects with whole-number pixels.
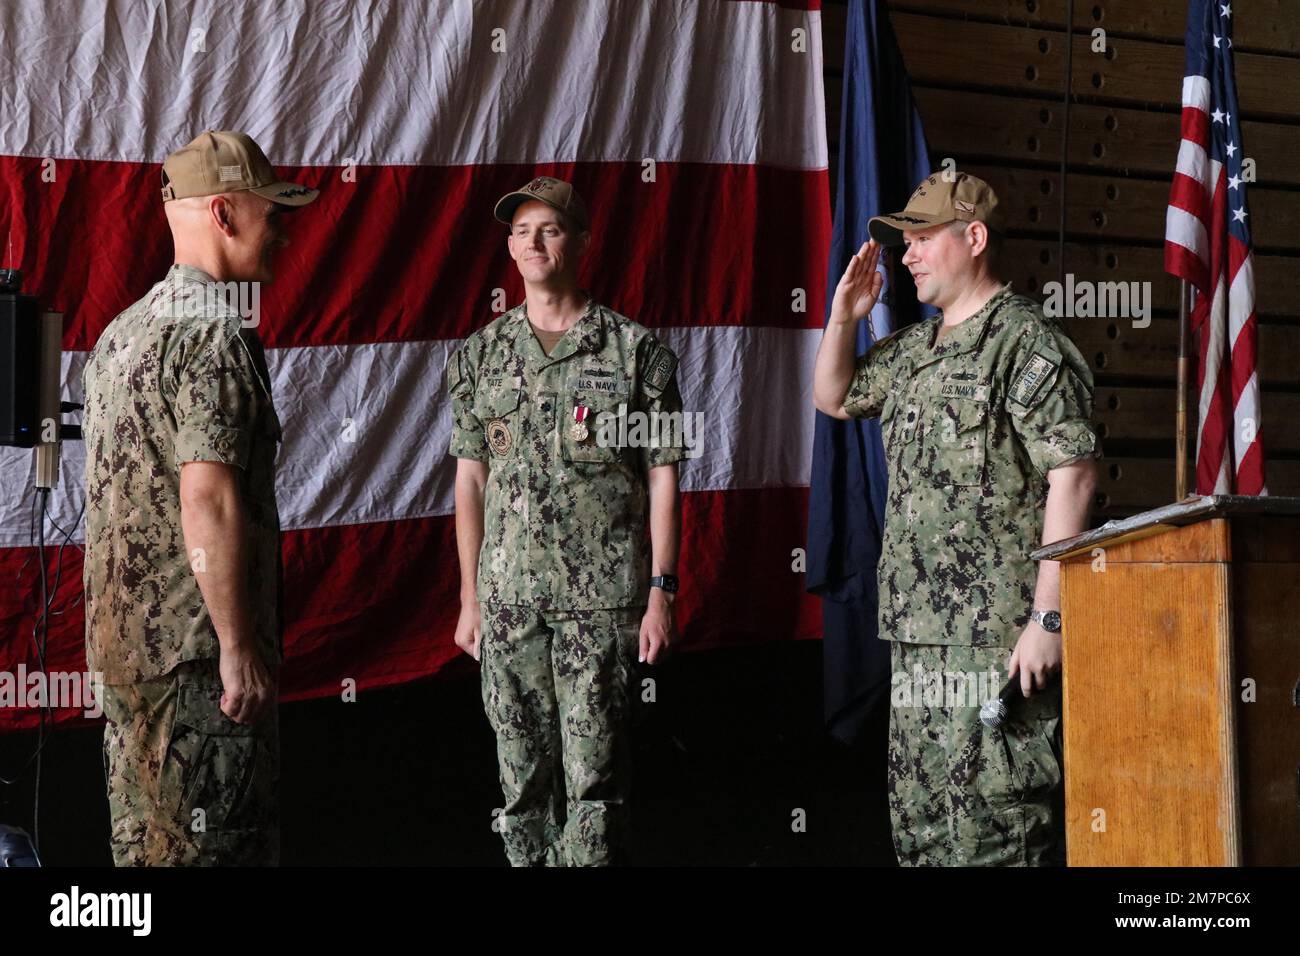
[{"x": 498, "y": 436}]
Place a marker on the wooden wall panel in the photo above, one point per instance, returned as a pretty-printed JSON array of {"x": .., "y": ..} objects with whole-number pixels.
[
  {"x": 1031, "y": 263},
  {"x": 987, "y": 75},
  {"x": 1112, "y": 208},
  {"x": 1101, "y": 137},
  {"x": 1271, "y": 25},
  {"x": 1115, "y": 349},
  {"x": 965, "y": 54},
  {"x": 1147, "y": 414}
]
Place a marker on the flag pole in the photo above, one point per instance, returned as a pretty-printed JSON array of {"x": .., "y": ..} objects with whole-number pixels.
[{"x": 1180, "y": 440}]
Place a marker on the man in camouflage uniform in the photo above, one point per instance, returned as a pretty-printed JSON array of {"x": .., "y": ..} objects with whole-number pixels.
[
  {"x": 182, "y": 565},
  {"x": 560, "y": 585},
  {"x": 984, "y": 411}
]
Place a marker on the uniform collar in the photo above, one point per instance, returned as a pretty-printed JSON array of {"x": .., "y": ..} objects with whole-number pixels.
[
  {"x": 968, "y": 333},
  {"x": 179, "y": 272},
  {"x": 585, "y": 335}
]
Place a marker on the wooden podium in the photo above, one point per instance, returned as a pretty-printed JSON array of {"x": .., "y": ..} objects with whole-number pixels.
[{"x": 1181, "y": 684}]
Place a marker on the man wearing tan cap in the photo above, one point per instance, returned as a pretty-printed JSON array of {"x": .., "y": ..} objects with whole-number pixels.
[
  {"x": 984, "y": 412},
  {"x": 182, "y": 563},
  {"x": 563, "y": 590}
]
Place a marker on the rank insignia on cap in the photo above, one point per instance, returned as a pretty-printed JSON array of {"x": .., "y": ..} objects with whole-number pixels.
[
  {"x": 1035, "y": 374},
  {"x": 963, "y": 205},
  {"x": 498, "y": 436}
]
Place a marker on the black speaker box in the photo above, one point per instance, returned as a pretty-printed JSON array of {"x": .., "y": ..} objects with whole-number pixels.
[{"x": 20, "y": 365}]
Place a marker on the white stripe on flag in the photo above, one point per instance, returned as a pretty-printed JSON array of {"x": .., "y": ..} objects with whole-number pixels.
[
  {"x": 1241, "y": 298},
  {"x": 1187, "y": 230},
  {"x": 1194, "y": 163},
  {"x": 390, "y": 400},
  {"x": 439, "y": 82},
  {"x": 1196, "y": 93}
]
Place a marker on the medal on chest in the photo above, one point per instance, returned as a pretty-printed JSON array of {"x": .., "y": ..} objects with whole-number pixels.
[{"x": 578, "y": 430}]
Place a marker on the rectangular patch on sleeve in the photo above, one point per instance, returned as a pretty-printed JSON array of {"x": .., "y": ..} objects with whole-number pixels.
[
  {"x": 1035, "y": 374},
  {"x": 454, "y": 375},
  {"x": 662, "y": 365}
]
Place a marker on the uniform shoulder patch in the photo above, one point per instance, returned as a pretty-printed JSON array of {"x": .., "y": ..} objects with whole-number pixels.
[
  {"x": 660, "y": 368},
  {"x": 454, "y": 374},
  {"x": 1033, "y": 375}
]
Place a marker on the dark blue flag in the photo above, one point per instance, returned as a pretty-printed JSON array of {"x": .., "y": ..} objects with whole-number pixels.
[{"x": 882, "y": 157}]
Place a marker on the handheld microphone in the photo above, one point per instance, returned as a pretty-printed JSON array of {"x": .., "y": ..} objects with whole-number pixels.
[{"x": 993, "y": 713}]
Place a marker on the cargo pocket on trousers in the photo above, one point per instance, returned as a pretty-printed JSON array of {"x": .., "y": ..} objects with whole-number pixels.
[
  {"x": 216, "y": 758},
  {"x": 1033, "y": 761}
]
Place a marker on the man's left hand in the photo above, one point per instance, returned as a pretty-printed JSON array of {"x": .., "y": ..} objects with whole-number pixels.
[
  {"x": 1037, "y": 658},
  {"x": 657, "y": 628}
]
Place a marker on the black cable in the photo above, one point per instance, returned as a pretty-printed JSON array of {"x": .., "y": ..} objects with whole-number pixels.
[
  {"x": 46, "y": 612},
  {"x": 1065, "y": 133},
  {"x": 43, "y": 625}
]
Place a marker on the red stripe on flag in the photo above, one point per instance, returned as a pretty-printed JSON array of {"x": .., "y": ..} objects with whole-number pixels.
[
  {"x": 351, "y": 610},
  {"x": 1195, "y": 125},
  {"x": 1190, "y": 196},
  {"x": 1250, "y": 472},
  {"x": 1213, "y": 444},
  {"x": 1182, "y": 262},
  {"x": 412, "y": 252}
]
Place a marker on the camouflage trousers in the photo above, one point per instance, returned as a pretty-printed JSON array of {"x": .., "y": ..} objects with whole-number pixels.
[
  {"x": 555, "y": 688},
  {"x": 187, "y": 786},
  {"x": 961, "y": 794}
]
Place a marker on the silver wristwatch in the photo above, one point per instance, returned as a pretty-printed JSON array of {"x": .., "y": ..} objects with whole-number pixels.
[{"x": 1050, "y": 621}]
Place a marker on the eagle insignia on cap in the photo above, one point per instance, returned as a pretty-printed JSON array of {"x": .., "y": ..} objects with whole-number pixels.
[{"x": 537, "y": 185}]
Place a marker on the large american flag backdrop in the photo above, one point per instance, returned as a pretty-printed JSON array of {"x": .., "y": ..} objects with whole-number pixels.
[
  {"x": 695, "y": 130},
  {"x": 1207, "y": 243}
]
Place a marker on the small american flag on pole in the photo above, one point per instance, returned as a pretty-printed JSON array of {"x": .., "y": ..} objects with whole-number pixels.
[{"x": 1207, "y": 244}]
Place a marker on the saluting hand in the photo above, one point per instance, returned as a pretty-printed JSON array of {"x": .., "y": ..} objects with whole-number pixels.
[{"x": 859, "y": 287}]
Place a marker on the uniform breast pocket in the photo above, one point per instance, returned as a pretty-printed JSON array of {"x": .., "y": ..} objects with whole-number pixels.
[
  {"x": 498, "y": 408},
  {"x": 596, "y": 438},
  {"x": 956, "y": 442}
]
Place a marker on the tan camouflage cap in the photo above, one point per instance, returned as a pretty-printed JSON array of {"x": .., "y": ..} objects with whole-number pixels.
[
  {"x": 556, "y": 193},
  {"x": 936, "y": 201},
  {"x": 227, "y": 162}
]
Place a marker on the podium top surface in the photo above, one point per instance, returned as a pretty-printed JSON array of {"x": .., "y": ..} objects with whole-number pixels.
[{"x": 1188, "y": 511}]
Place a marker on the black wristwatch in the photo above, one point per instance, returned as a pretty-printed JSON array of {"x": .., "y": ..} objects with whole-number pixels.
[
  {"x": 666, "y": 581},
  {"x": 1050, "y": 621}
]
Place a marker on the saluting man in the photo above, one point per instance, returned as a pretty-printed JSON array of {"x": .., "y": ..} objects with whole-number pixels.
[
  {"x": 984, "y": 412},
  {"x": 568, "y": 542}
]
